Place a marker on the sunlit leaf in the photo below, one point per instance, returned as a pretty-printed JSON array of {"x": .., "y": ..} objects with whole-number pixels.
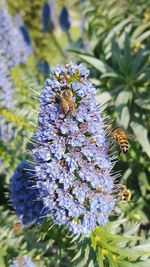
[
  {"x": 103, "y": 98},
  {"x": 96, "y": 63},
  {"x": 141, "y": 134},
  {"x": 112, "y": 261},
  {"x": 143, "y": 103},
  {"x": 100, "y": 257},
  {"x": 118, "y": 27},
  {"x": 125, "y": 117}
]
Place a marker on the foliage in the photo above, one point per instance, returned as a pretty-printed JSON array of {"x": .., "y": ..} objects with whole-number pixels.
[
  {"x": 106, "y": 248},
  {"x": 123, "y": 76}
]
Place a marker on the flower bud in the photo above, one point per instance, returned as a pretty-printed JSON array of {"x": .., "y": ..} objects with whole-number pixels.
[{"x": 64, "y": 20}]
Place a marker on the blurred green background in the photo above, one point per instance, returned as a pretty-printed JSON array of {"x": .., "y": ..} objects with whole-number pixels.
[{"x": 113, "y": 39}]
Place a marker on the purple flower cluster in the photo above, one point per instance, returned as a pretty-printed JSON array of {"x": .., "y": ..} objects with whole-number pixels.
[
  {"x": 6, "y": 96},
  {"x": 11, "y": 39},
  {"x": 6, "y": 83},
  {"x": 13, "y": 50},
  {"x": 47, "y": 17},
  {"x": 23, "y": 261},
  {"x": 73, "y": 163},
  {"x": 25, "y": 196},
  {"x": 64, "y": 19}
]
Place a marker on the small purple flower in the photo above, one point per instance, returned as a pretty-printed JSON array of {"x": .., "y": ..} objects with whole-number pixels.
[{"x": 73, "y": 172}]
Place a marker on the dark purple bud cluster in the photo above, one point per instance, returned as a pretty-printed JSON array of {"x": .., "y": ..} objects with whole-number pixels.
[
  {"x": 64, "y": 19},
  {"x": 25, "y": 196}
]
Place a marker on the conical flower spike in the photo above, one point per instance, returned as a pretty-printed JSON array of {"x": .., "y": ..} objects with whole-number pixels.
[{"x": 73, "y": 163}]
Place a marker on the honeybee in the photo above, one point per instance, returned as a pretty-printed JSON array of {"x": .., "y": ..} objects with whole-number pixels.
[
  {"x": 21, "y": 260},
  {"x": 101, "y": 191},
  {"x": 125, "y": 193},
  {"x": 66, "y": 101},
  {"x": 122, "y": 139},
  {"x": 17, "y": 228}
]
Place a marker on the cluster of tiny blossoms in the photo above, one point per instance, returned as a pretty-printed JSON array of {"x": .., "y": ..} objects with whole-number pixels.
[
  {"x": 13, "y": 50},
  {"x": 24, "y": 197},
  {"x": 6, "y": 96},
  {"x": 73, "y": 165},
  {"x": 6, "y": 83},
  {"x": 11, "y": 39}
]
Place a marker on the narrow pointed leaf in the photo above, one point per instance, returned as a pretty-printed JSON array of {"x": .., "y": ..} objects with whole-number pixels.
[
  {"x": 141, "y": 134},
  {"x": 100, "y": 257},
  {"x": 96, "y": 63}
]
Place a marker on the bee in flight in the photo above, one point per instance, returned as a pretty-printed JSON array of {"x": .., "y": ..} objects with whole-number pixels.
[
  {"x": 121, "y": 138},
  {"x": 66, "y": 101},
  {"x": 125, "y": 193}
]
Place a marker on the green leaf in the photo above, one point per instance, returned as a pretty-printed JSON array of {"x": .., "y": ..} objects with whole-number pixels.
[
  {"x": 90, "y": 31},
  {"x": 131, "y": 229},
  {"x": 143, "y": 182},
  {"x": 137, "y": 62},
  {"x": 80, "y": 52},
  {"x": 140, "y": 29},
  {"x": 76, "y": 237},
  {"x": 93, "y": 241},
  {"x": 143, "y": 37},
  {"x": 127, "y": 52},
  {"x": 141, "y": 134},
  {"x": 116, "y": 53},
  {"x": 95, "y": 81},
  {"x": 77, "y": 255},
  {"x": 125, "y": 117},
  {"x": 87, "y": 252},
  {"x": 132, "y": 254},
  {"x": 116, "y": 29},
  {"x": 137, "y": 263},
  {"x": 143, "y": 103},
  {"x": 100, "y": 257},
  {"x": 81, "y": 262},
  {"x": 121, "y": 107},
  {"x": 103, "y": 98},
  {"x": 96, "y": 63},
  {"x": 112, "y": 261},
  {"x": 109, "y": 236},
  {"x": 112, "y": 226},
  {"x": 123, "y": 98},
  {"x": 110, "y": 75},
  {"x": 91, "y": 264},
  {"x": 144, "y": 247}
]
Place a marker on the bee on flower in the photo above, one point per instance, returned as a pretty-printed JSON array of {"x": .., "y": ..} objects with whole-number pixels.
[{"x": 71, "y": 155}]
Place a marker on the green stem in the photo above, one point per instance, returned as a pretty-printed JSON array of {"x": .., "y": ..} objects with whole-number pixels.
[
  {"x": 69, "y": 37},
  {"x": 57, "y": 44}
]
